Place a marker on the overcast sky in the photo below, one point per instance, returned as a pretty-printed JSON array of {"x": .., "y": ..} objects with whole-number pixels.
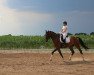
[{"x": 33, "y": 17}]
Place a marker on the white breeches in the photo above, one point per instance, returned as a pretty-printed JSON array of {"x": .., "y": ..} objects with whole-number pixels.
[{"x": 64, "y": 35}]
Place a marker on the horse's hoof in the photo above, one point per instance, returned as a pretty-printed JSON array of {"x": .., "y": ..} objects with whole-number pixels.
[
  {"x": 69, "y": 59},
  {"x": 83, "y": 59},
  {"x": 64, "y": 61},
  {"x": 50, "y": 59}
]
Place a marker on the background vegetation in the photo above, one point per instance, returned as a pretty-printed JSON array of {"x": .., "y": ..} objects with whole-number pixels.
[{"x": 37, "y": 42}]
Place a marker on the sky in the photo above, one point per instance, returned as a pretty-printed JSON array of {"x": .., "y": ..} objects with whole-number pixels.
[{"x": 33, "y": 17}]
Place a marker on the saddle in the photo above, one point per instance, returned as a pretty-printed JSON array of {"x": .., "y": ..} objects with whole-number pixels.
[{"x": 66, "y": 40}]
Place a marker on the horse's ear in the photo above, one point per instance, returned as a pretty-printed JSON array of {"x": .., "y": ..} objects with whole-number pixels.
[{"x": 45, "y": 30}]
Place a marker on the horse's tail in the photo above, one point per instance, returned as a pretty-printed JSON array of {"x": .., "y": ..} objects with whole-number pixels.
[{"x": 82, "y": 43}]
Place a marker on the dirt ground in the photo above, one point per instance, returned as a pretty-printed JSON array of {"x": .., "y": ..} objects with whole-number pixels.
[{"x": 39, "y": 64}]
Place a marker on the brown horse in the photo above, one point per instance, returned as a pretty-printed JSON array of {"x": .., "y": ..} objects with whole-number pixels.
[{"x": 74, "y": 41}]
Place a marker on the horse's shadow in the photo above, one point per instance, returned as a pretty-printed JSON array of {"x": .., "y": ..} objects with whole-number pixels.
[{"x": 78, "y": 62}]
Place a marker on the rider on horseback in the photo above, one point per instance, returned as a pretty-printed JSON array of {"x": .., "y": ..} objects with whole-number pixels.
[{"x": 64, "y": 32}]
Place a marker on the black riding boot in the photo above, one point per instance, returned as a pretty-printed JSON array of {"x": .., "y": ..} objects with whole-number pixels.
[{"x": 64, "y": 41}]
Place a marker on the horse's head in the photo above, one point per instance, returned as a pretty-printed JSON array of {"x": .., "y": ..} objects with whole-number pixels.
[{"x": 48, "y": 35}]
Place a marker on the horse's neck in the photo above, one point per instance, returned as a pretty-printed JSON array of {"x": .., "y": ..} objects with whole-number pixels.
[{"x": 54, "y": 36}]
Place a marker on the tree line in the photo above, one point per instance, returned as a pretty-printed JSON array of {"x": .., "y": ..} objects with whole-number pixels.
[{"x": 92, "y": 33}]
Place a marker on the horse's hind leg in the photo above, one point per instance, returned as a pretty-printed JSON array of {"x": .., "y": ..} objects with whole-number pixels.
[
  {"x": 72, "y": 52},
  {"x": 52, "y": 54},
  {"x": 78, "y": 47},
  {"x": 81, "y": 54}
]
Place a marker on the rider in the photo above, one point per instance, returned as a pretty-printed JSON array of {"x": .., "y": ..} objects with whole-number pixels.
[{"x": 64, "y": 32}]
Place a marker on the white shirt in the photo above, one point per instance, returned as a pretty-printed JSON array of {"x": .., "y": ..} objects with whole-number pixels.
[{"x": 65, "y": 29}]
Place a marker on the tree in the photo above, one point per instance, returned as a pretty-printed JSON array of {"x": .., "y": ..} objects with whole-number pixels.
[
  {"x": 76, "y": 33},
  {"x": 92, "y": 33},
  {"x": 81, "y": 34},
  {"x": 70, "y": 34}
]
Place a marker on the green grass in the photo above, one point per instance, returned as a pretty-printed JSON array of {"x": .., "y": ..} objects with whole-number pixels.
[{"x": 35, "y": 42}]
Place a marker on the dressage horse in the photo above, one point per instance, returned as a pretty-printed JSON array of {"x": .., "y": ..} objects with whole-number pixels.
[{"x": 74, "y": 41}]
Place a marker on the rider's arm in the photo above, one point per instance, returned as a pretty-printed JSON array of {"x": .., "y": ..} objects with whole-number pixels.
[{"x": 64, "y": 29}]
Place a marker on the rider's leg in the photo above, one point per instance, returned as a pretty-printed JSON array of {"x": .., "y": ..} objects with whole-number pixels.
[{"x": 64, "y": 37}]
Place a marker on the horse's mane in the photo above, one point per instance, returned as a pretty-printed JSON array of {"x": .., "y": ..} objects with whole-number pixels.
[{"x": 54, "y": 34}]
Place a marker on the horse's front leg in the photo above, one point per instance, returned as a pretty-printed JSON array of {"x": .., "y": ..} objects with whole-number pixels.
[
  {"x": 60, "y": 53},
  {"x": 52, "y": 54}
]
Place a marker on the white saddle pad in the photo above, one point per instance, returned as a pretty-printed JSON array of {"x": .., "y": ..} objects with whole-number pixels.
[{"x": 67, "y": 40}]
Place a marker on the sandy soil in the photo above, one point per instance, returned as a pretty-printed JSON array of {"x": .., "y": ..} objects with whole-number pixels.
[{"x": 39, "y": 64}]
